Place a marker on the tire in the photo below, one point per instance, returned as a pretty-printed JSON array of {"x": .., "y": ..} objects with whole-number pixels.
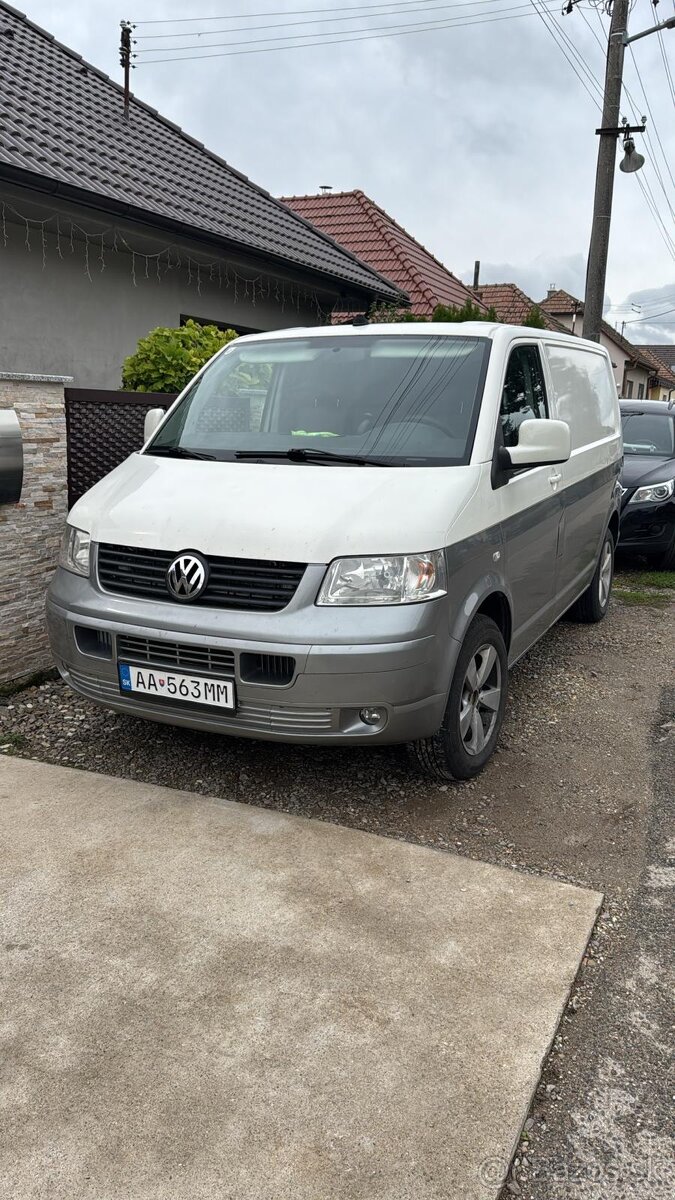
[
  {"x": 469, "y": 733},
  {"x": 592, "y": 605}
]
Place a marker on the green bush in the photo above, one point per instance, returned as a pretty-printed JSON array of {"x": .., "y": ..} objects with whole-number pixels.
[
  {"x": 535, "y": 318},
  {"x": 166, "y": 359}
]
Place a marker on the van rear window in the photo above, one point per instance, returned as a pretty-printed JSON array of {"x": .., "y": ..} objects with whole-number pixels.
[{"x": 398, "y": 400}]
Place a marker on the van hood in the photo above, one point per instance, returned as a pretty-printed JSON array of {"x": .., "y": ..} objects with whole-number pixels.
[{"x": 295, "y": 512}]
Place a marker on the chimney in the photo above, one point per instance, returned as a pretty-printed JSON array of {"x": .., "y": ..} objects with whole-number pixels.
[
  {"x": 551, "y": 291},
  {"x": 325, "y": 188},
  {"x": 476, "y": 272}
]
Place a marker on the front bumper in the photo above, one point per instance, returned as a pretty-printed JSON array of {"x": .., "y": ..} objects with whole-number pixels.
[
  {"x": 647, "y": 528},
  {"x": 399, "y": 660}
]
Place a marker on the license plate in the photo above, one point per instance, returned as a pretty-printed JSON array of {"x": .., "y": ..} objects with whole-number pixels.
[{"x": 188, "y": 689}]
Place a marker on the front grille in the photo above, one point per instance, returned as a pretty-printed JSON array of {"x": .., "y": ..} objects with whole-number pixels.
[
  {"x": 204, "y": 659},
  {"x": 237, "y": 583}
]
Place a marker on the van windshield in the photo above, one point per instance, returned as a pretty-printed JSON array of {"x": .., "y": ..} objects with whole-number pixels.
[{"x": 384, "y": 399}]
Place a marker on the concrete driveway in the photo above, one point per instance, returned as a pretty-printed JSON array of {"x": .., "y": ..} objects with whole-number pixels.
[{"x": 202, "y": 999}]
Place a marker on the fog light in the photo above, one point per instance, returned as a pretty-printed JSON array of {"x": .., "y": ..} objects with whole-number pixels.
[{"x": 371, "y": 716}]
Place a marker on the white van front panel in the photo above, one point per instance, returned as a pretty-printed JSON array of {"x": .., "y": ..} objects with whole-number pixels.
[{"x": 291, "y": 511}]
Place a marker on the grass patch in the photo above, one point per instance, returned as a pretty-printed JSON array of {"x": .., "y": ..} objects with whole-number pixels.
[
  {"x": 12, "y": 741},
  {"x": 629, "y": 576},
  {"x": 640, "y": 598}
]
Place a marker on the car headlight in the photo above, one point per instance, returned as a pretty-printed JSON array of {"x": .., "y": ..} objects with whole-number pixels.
[
  {"x": 656, "y": 493},
  {"x": 399, "y": 579},
  {"x": 75, "y": 548}
]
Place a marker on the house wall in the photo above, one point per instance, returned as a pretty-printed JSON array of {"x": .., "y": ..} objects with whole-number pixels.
[
  {"x": 658, "y": 392},
  {"x": 60, "y": 312}
]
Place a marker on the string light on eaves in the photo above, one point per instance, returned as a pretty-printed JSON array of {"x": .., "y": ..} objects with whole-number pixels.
[{"x": 101, "y": 243}]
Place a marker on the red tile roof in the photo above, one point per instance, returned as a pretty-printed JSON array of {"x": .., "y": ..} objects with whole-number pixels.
[
  {"x": 365, "y": 229},
  {"x": 513, "y": 307}
]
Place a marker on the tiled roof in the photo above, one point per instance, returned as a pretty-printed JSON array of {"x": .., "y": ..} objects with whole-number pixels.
[
  {"x": 355, "y": 221},
  {"x": 562, "y": 303},
  {"x": 665, "y": 353},
  {"x": 62, "y": 119},
  {"x": 512, "y": 305},
  {"x": 660, "y": 368}
]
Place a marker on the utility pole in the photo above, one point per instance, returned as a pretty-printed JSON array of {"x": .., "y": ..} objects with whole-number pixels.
[
  {"x": 596, "y": 270},
  {"x": 125, "y": 60}
]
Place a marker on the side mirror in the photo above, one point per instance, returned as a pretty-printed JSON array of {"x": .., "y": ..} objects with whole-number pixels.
[
  {"x": 153, "y": 418},
  {"x": 11, "y": 457},
  {"x": 540, "y": 443}
]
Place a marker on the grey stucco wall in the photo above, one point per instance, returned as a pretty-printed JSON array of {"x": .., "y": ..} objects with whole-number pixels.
[
  {"x": 54, "y": 318},
  {"x": 30, "y": 531}
]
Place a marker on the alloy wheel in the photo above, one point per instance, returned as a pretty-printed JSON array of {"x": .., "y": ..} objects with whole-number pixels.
[
  {"x": 605, "y": 575},
  {"x": 481, "y": 699}
]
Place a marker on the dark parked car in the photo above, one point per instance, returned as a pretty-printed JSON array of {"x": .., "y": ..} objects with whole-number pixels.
[{"x": 648, "y": 480}]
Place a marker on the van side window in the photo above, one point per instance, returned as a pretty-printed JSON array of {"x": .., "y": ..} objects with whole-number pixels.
[{"x": 524, "y": 394}]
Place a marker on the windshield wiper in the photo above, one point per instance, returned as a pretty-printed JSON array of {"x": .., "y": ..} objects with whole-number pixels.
[
  {"x": 178, "y": 452},
  {"x": 311, "y": 454}
]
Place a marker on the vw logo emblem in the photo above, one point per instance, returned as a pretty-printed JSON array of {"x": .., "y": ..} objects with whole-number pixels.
[{"x": 187, "y": 576}]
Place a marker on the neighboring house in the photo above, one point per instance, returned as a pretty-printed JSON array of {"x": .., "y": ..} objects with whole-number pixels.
[
  {"x": 110, "y": 227},
  {"x": 513, "y": 307},
  {"x": 663, "y": 383},
  {"x": 633, "y": 370},
  {"x": 362, "y": 227}
]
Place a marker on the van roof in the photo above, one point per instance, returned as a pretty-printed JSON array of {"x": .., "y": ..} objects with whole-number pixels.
[{"x": 482, "y": 329}]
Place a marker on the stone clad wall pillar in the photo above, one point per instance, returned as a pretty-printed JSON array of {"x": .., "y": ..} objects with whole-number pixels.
[{"x": 30, "y": 531}]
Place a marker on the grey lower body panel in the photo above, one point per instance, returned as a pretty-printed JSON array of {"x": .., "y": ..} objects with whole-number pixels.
[{"x": 407, "y": 680}]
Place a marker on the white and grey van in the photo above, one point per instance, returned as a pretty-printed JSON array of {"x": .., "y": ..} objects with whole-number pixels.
[{"x": 348, "y": 535}]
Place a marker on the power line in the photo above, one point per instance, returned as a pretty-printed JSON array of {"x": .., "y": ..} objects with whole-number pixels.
[
  {"x": 653, "y": 317},
  {"x": 354, "y": 15},
  {"x": 328, "y": 33},
  {"x": 550, "y": 29},
  {"x": 455, "y": 23},
  {"x": 666, "y": 66},
  {"x": 296, "y": 12}
]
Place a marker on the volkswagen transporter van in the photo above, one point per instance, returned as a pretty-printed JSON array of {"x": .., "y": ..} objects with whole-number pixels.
[{"x": 348, "y": 535}]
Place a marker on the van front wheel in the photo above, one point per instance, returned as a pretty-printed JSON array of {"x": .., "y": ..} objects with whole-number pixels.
[{"x": 475, "y": 708}]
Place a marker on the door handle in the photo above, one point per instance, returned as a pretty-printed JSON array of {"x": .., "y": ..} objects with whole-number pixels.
[{"x": 554, "y": 478}]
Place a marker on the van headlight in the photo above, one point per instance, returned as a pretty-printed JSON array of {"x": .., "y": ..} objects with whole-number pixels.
[
  {"x": 75, "y": 548},
  {"x": 655, "y": 494},
  {"x": 399, "y": 579}
]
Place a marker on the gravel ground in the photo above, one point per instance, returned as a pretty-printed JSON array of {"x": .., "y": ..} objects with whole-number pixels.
[{"x": 575, "y": 791}]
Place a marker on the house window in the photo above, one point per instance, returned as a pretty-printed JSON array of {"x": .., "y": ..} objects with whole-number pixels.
[
  {"x": 628, "y": 389},
  {"x": 219, "y": 324},
  {"x": 524, "y": 394},
  {"x": 641, "y": 391}
]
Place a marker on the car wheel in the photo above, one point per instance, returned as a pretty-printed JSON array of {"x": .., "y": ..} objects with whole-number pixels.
[
  {"x": 592, "y": 605},
  {"x": 475, "y": 708}
]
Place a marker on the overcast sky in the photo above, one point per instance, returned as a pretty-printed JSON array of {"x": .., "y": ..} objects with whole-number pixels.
[{"x": 478, "y": 139}]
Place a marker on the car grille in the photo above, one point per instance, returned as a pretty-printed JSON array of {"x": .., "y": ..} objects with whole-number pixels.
[
  {"x": 204, "y": 659},
  {"x": 235, "y": 583}
]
